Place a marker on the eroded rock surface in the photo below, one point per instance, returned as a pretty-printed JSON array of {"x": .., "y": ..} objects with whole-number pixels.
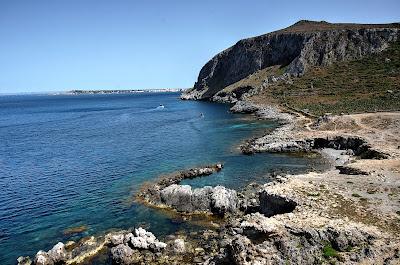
[
  {"x": 294, "y": 47},
  {"x": 217, "y": 200},
  {"x": 182, "y": 198}
]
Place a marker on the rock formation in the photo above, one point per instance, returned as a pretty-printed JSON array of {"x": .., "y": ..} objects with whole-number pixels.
[
  {"x": 182, "y": 198},
  {"x": 295, "y": 49}
]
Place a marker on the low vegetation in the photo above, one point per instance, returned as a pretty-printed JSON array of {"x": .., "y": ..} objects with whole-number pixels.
[
  {"x": 329, "y": 252},
  {"x": 366, "y": 85}
]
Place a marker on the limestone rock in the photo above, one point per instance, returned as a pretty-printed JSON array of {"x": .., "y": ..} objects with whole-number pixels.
[
  {"x": 298, "y": 49},
  {"x": 139, "y": 242},
  {"x": 142, "y": 239},
  {"x": 43, "y": 258},
  {"x": 244, "y": 107},
  {"x": 58, "y": 253},
  {"x": 122, "y": 254},
  {"x": 223, "y": 200},
  {"x": 201, "y": 198},
  {"x": 218, "y": 200},
  {"x": 24, "y": 261},
  {"x": 115, "y": 238},
  {"x": 178, "y": 197},
  {"x": 179, "y": 246}
]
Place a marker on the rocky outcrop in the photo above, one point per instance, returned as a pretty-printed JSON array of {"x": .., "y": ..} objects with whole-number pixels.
[
  {"x": 179, "y": 246},
  {"x": 273, "y": 204},
  {"x": 126, "y": 248},
  {"x": 151, "y": 192},
  {"x": 24, "y": 261},
  {"x": 122, "y": 254},
  {"x": 244, "y": 107},
  {"x": 282, "y": 140},
  {"x": 182, "y": 198},
  {"x": 56, "y": 255},
  {"x": 216, "y": 200},
  {"x": 298, "y": 48}
]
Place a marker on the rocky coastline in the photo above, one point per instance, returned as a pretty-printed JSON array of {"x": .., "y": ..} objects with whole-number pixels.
[
  {"x": 297, "y": 219},
  {"x": 348, "y": 214}
]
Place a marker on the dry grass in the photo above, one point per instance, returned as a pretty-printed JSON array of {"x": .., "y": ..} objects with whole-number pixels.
[{"x": 369, "y": 84}]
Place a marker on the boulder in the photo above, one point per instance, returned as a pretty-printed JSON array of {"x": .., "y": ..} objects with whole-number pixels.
[
  {"x": 201, "y": 198},
  {"x": 24, "y": 261},
  {"x": 158, "y": 246},
  {"x": 122, "y": 254},
  {"x": 139, "y": 242},
  {"x": 58, "y": 253},
  {"x": 142, "y": 239},
  {"x": 115, "y": 239},
  {"x": 43, "y": 258},
  {"x": 239, "y": 250},
  {"x": 178, "y": 246},
  {"x": 218, "y": 200},
  {"x": 178, "y": 197},
  {"x": 223, "y": 200}
]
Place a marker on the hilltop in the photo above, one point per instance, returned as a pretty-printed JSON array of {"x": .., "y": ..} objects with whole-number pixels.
[{"x": 306, "y": 59}]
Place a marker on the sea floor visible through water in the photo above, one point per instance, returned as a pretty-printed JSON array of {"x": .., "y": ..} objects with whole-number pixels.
[{"x": 70, "y": 165}]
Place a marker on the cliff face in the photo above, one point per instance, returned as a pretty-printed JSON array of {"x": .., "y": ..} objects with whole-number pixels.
[{"x": 296, "y": 48}]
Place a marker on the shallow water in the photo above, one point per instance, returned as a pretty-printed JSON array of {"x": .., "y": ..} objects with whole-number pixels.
[{"x": 68, "y": 161}]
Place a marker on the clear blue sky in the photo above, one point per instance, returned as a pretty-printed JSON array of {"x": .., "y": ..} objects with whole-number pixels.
[{"x": 58, "y": 45}]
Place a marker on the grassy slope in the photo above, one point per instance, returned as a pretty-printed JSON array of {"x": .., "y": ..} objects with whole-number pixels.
[{"x": 348, "y": 87}]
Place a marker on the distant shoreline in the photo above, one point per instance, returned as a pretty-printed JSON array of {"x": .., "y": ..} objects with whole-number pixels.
[
  {"x": 95, "y": 92},
  {"x": 120, "y": 91}
]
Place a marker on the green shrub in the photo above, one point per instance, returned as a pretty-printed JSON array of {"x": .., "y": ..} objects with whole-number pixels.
[{"x": 329, "y": 252}]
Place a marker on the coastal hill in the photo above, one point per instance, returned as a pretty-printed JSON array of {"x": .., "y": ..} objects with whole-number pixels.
[{"x": 287, "y": 56}]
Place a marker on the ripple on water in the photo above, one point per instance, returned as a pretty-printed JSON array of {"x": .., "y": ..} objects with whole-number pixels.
[{"x": 76, "y": 162}]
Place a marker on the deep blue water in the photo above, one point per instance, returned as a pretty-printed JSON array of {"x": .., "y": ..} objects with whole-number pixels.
[{"x": 67, "y": 161}]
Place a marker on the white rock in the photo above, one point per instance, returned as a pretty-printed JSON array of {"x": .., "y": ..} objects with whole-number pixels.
[
  {"x": 179, "y": 246},
  {"x": 139, "y": 242}
]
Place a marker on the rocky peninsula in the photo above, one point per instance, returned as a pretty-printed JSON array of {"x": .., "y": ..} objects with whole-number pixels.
[{"x": 348, "y": 214}]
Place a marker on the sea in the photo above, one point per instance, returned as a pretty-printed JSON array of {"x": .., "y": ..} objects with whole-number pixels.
[{"x": 70, "y": 165}]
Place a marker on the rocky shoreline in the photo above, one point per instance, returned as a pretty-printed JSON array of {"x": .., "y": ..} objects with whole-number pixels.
[{"x": 297, "y": 219}]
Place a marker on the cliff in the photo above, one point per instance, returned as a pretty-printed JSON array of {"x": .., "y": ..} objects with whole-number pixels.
[{"x": 294, "y": 50}]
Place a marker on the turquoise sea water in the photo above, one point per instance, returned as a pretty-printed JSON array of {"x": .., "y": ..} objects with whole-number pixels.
[{"x": 68, "y": 161}]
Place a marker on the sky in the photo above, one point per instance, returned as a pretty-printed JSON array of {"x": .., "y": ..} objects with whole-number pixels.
[{"x": 58, "y": 45}]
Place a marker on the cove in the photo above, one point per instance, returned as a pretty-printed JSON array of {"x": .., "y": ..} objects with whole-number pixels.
[{"x": 71, "y": 165}]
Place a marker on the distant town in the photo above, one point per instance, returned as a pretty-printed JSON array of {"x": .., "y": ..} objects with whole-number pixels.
[{"x": 122, "y": 91}]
